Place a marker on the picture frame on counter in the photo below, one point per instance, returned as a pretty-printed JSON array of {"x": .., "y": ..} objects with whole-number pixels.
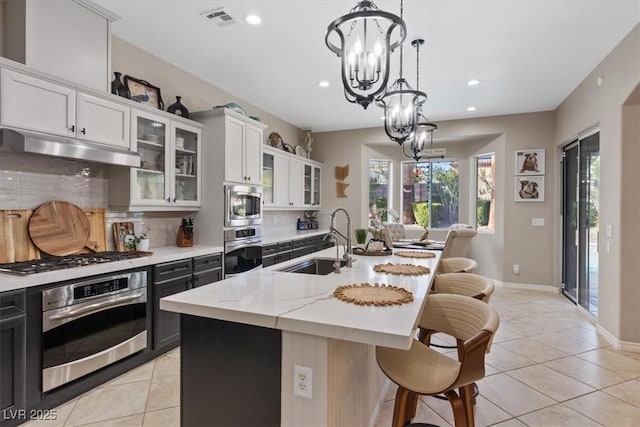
[{"x": 143, "y": 92}]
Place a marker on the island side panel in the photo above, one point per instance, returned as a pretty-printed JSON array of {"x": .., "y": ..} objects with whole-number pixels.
[
  {"x": 230, "y": 373},
  {"x": 347, "y": 383}
]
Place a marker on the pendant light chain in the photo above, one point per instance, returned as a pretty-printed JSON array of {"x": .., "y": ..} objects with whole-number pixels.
[{"x": 402, "y": 18}]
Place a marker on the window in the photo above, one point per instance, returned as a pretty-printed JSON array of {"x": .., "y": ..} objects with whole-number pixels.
[
  {"x": 485, "y": 193},
  {"x": 379, "y": 186},
  {"x": 430, "y": 193}
]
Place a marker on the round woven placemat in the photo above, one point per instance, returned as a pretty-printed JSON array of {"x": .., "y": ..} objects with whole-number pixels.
[
  {"x": 415, "y": 254},
  {"x": 378, "y": 295},
  {"x": 407, "y": 269}
]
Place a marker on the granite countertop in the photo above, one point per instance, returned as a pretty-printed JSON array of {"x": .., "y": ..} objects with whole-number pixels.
[
  {"x": 10, "y": 282},
  {"x": 273, "y": 236},
  {"x": 305, "y": 303}
]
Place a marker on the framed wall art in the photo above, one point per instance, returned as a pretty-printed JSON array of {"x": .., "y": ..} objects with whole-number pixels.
[
  {"x": 144, "y": 92},
  {"x": 529, "y": 188},
  {"x": 530, "y": 162}
]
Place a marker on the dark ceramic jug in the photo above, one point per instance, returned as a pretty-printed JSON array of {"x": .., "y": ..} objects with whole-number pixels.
[
  {"x": 178, "y": 108},
  {"x": 117, "y": 87}
]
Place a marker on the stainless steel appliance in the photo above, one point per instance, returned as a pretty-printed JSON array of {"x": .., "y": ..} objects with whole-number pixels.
[
  {"x": 242, "y": 250},
  {"x": 90, "y": 324},
  {"x": 243, "y": 205},
  {"x": 62, "y": 262}
]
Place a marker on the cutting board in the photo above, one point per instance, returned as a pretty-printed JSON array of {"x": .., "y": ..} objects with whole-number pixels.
[
  {"x": 14, "y": 237},
  {"x": 97, "y": 237},
  {"x": 59, "y": 228}
]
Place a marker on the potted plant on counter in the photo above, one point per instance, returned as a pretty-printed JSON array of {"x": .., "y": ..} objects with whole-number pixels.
[{"x": 142, "y": 241}]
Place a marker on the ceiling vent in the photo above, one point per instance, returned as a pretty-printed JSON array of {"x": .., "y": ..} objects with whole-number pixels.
[{"x": 219, "y": 17}]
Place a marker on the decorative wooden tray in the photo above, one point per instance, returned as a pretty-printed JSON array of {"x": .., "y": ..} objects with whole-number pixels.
[
  {"x": 360, "y": 251},
  {"x": 415, "y": 254},
  {"x": 406, "y": 269},
  {"x": 376, "y": 294}
]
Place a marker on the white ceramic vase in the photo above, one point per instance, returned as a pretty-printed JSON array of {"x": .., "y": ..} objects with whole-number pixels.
[{"x": 142, "y": 245}]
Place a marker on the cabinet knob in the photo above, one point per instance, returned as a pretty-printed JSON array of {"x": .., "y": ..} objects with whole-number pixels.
[
  {"x": 168, "y": 199},
  {"x": 174, "y": 200},
  {"x": 73, "y": 128},
  {"x": 83, "y": 131}
]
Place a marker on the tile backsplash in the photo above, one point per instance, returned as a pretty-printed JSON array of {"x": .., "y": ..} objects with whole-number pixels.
[{"x": 27, "y": 181}]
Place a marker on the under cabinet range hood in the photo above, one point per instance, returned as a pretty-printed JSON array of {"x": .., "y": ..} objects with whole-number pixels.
[{"x": 49, "y": 145}]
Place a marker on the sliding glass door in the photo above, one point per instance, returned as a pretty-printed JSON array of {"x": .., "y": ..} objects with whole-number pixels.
[{"x": 581, "y": 220}]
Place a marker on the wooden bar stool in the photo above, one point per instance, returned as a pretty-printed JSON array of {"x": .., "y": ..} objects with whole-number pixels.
[{"x": 423, "y": 371}]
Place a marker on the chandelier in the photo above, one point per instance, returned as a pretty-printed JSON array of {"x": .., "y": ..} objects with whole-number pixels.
[
  {"x": 424, "y": 128},
  {"x": 401, "y": 105},
  {"x": 365, "y": 46}
]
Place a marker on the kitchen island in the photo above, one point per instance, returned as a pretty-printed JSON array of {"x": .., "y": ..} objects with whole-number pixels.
[{"x": 242, "y": 337}]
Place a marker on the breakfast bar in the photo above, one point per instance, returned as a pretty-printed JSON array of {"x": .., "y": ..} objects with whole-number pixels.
[{"x": 243, "y": 338}]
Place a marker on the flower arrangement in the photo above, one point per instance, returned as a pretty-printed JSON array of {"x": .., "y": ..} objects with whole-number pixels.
[{"x": 142, "y": 236}]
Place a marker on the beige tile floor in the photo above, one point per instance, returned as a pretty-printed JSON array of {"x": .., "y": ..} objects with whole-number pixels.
[{"x": 548, "y": 367}]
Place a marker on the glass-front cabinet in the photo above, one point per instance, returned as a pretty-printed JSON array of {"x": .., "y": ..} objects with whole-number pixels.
[
  {"x": 170, "y": 161},
  {"x": 289, "y": 181},
  {"x": 267, "y": 179},
  {"x": 316, "y": 186},
  {"x": 311, "y": 185}
]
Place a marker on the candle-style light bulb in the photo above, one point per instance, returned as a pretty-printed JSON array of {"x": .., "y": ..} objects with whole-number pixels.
[
  {"x": 357, "y": 46},
  {"x": 378, "y": 49}
]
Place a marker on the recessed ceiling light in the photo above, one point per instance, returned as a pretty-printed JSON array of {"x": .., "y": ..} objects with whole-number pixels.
[
  {"x": 323, "y": 83},
  {"x": 253, "y": 19},
  {"x": 473, "y": 82},
  {"x": 472, "y": 108}
]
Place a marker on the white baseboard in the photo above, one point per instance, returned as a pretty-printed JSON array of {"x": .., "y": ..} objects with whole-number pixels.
[
  {"x": 527, "y": 286},
  {"x": 633, "y": 347}
]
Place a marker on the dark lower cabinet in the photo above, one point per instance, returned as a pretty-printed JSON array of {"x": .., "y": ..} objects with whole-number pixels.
[
  {"x": 12, "y": 356},
  {"x": 207, "y": 269},
  {"x": 168, "y": 279}
]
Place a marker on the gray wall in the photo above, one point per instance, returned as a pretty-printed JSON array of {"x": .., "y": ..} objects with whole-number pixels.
[
  {"x": 515, "y": 241},
  {"x": 589, "y": 105}
]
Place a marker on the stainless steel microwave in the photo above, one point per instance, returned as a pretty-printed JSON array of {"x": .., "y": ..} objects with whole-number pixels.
[{"x": 243, "y": 205}]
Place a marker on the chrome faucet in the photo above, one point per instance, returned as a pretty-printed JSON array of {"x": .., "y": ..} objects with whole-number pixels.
[
  {"x": 348, "y": 251},
  {"x": 332, "y": 237}
]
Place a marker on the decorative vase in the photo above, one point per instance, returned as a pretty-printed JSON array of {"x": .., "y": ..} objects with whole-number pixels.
[
  {"x": 117, "y": 87},
  {"x": 178, "y": 108},
  {"x": 142, "y": 245}
]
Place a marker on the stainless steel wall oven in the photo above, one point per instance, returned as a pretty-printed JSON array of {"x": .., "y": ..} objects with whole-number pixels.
[
  {"x": 243, "y": 205},
  {"x": 90, "y": 324},
  {"x": 242, "y": 250}
]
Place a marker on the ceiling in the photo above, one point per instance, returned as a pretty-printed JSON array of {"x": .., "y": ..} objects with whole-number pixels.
[{"x": 529, "y": 55}]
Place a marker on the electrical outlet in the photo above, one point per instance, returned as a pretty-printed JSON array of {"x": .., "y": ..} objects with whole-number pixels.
[
  {"x": 302, "y": 384},
  {"x": 516, "y": 269}
]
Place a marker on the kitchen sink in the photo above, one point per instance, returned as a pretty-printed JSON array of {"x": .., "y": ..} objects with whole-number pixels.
[{"x": 317, "y": 266}]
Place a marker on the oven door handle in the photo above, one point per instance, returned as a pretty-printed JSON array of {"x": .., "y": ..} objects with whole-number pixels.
[{"x": 95, "y": 307}]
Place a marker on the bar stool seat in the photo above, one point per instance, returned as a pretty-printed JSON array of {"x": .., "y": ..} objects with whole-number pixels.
[
  {"x": 457, "y": 265},
  {"x": 467, "y": 284}
]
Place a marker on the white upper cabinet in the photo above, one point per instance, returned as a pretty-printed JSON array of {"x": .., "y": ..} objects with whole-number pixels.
[
  {"x": 234, "y": 150},
  {"x": 235, "y": 140},
  {"x": 68, "y": 39},
  {"x": 103, "y": 121},
  {"x": 35, "y": 104},
  {"x": 290, "y": 182},
  {"x": 253, "y": 154},
  {"x": 30, "y": 103},
  {"x": 169, "y": 176}
]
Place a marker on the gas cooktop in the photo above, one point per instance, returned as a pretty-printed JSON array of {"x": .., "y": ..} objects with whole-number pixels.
[{"x": 61, "y": 262}]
